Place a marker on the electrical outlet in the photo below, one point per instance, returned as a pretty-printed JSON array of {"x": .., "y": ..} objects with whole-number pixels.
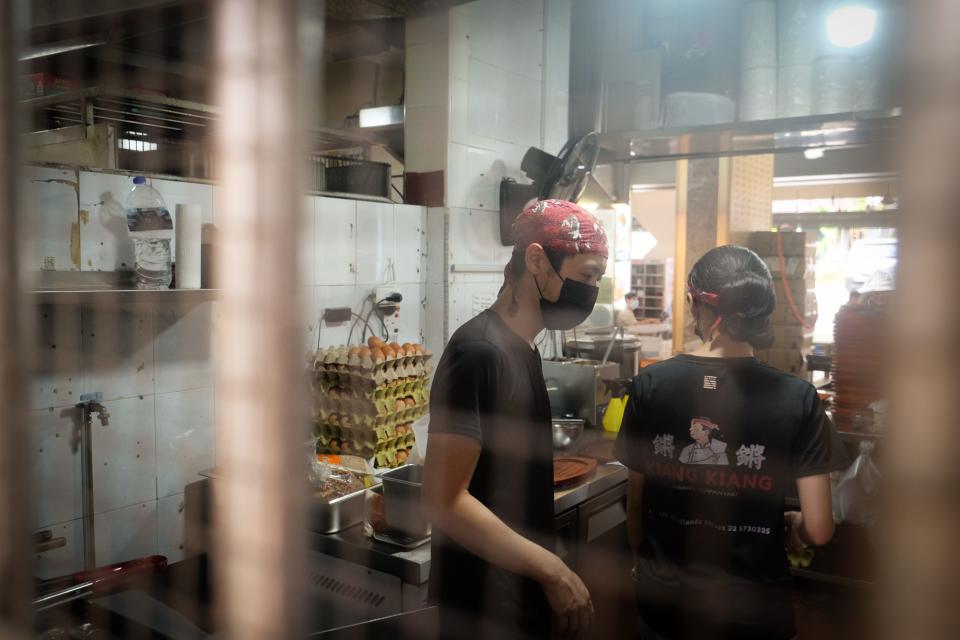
[
  {"x": 389, "y": 311},
  {"x": 337, "y": 315}
]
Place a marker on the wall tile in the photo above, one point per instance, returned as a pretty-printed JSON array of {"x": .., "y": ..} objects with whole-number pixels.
[
  {"x": 124, "y": 455},
  {"x": 436, "y": 245},
  {"x": 126, "y": 534},
  {"x": 462, "y": 301},
  {"x": 485, "y": 168},
  {"x": 557, "y": 33},
  {"x": 183, "y": 345},
  {"x": 434, "y": 315},
  {"x": 65, "y": 560},
  {"x": 426, "y": 80},
  {"x": 410, "y": 238},
  {"x": 57, "y": 378},
  {"x": 54, "y": 211},
  {"x": 306, "y": 248},
  {"x": 56, "y": 485},
  {"x": 459, "y": 41},
  {"x": 472, "y": 236},
  {"x": 424, "y": 130},
  {"x": 484, "y": 95},
  {"x": 376, "y": 243},
  {"x": 335, "y": 243},
  {"x": 556, "y": 126},
  {"x": 105, "y": 243},
  {"x": 518, "y": 111},
  {"x": 459, "y": 110},
  {"x": 185, "y": 438},
  {"x": 170, "y": 527},
  {"x": 457, "y": 180},
  {"x": 508, "y": 34},
  {"x": 118, "y": 350}
]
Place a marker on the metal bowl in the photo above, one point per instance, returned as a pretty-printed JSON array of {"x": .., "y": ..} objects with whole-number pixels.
[{"x": 566, "y": 431}]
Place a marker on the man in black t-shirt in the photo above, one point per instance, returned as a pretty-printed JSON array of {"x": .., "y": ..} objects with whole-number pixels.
[
  {"x": 488, "y": 476},
  {"x": 714, "y": 440}
]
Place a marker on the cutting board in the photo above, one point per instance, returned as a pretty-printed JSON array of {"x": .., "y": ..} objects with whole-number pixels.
[{"x": 569, "y": 470}]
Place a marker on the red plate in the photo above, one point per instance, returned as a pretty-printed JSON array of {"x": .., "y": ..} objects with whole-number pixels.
[{"x": 567, "y": 471}]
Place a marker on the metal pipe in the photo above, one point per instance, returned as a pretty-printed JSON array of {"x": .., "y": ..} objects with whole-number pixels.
[
  {"x": 86, "y": 490},
  {"x": 15, "y": 556}
]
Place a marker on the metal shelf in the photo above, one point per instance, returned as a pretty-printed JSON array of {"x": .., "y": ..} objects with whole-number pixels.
[{"x": 124, "y": 296}]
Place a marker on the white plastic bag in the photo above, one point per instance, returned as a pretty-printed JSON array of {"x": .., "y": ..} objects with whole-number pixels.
[{"x": 856, "y": 492}]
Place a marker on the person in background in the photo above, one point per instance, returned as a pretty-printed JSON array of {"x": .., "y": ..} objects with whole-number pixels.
[
  {"x": 708, "y": 532},
  {"x": 627, "y": 316},
  {"x": 488, "y": 474}
]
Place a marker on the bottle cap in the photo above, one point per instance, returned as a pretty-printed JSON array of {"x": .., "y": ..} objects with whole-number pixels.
[{"x": 139, "y": 180}]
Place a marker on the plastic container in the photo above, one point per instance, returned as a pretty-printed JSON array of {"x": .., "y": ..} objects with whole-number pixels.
[{"x": 151, "y": 229}]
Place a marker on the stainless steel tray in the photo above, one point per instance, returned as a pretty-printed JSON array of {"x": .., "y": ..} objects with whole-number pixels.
[{"x": 330, "y": 516}]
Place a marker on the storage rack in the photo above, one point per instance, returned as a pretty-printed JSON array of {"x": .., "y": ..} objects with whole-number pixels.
[{"x": 648, "y": 281}]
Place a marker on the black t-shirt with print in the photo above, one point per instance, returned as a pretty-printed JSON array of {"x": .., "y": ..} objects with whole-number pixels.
[
  {"x": 489, "y": 386},
  {"x": 720, "y": 441}
]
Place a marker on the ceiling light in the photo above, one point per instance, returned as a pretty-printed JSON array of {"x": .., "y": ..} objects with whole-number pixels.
[
  {"x": 851, "y": 25},
  {"x": 813, "y": 154}
]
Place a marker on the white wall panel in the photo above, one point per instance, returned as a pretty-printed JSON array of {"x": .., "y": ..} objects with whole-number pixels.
[
  {"x": 376, "y": 243},
  {"x": 118, "y": 350},
  {"x": 124, "y": 455},
  {"x": 65, "y": 560},
  {"x": 410, "y": 241},
  {"x": 56, "y": 379},
  {"x": 56, "y": 484},
  {"x": 105, "y": 243},
  {"x": 54, "y": 212},
  {"x": 170, "y": 527},
  {"x": 185, "y": 438},
  {"x": 335, "y": 241},
  {"x": 126, "y": 534},
  {"x": 184, "y": 357}
]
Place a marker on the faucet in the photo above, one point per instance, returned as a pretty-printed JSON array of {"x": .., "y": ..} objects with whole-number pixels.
[{"x": 100, "y": 410}]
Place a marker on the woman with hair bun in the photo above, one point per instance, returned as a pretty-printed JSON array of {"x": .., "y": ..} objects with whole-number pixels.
[{"x": 714, "y": 440}]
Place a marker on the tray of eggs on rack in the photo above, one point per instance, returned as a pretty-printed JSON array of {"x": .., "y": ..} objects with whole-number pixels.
[{"x": 366, "y": 399}]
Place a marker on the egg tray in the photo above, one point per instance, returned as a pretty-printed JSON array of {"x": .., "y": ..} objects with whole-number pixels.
[
  {"x": 325, "y": 406},
  {"x": 374, "y": 440},
  {"x": 342, "y": 375},
  {"x": 357, "y": 421},
  {"x": 394, "y": 390},
  {"x": 328, "y": 362},
  {"x": 384, "y": 453}
]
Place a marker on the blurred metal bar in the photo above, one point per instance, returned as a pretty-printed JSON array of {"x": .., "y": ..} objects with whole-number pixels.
[
  {"x": 261, "y": 395},
  {"x": 15, "y": 596},
  {"x": 920, "y": 563}
]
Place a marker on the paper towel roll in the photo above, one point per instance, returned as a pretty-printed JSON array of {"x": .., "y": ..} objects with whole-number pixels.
[
  {"x": 795, "y": 91},
  {"x": 758, "y": 34},
  {"x": 187, "y": 226},
  {"x": 834, "y": 82},
  {"x": 758, "y": 94}
]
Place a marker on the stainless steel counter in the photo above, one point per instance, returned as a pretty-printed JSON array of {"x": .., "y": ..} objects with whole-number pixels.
[{"x": 413, "y": 566}]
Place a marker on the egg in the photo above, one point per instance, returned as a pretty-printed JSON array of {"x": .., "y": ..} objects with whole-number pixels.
[
  {"x": 399, "y": 405},
  {"x": 378, "y": 355},
  {"x": 402, "y": 456},
  {"x": 419, "y": 349},
  {"x": 406, "y": 346},
  {"x": 389, "y": 353},
  {"x": 375, "y": 342},
  {"x": 364, "y": 352},
  {"x": 410, "y": 403},
  {"x": 395, "y": 346},
  {"x": 353, "y": 351}
]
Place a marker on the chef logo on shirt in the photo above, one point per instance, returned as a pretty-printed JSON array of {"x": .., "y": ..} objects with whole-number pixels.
[{"x": 707, "y": 447}]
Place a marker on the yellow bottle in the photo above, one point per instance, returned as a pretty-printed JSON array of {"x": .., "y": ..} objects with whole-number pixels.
[{"x": 613, "y": 416}]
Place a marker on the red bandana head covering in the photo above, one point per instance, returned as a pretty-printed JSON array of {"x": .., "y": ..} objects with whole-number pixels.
[
  {"x": 705, "y": 423},
  {"x": 559, "y": 226}
]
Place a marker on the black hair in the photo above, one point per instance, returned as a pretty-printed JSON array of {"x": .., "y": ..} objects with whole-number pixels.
[
  {"x": 518, "y": 261},
  {"x": 630, "y": 294},
  {"x": 744, "y": 290}
]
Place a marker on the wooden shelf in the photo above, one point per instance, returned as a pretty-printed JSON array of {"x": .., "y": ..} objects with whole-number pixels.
[{"x": 123, "y": 296}]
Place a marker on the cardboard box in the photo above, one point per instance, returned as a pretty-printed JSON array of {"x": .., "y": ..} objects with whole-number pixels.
[
  {"x": 795, "y": 266},
  {"x": 791, "y": 336},
  {"x": 795, "y": 243},
  {"x": 801, "y": 289}
]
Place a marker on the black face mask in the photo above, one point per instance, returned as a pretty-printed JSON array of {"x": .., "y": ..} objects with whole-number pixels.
[{"x": 575, "y": 303}]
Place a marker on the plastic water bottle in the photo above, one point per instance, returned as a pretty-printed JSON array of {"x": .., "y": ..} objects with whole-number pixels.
[{"x": 151, "y": 228}]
